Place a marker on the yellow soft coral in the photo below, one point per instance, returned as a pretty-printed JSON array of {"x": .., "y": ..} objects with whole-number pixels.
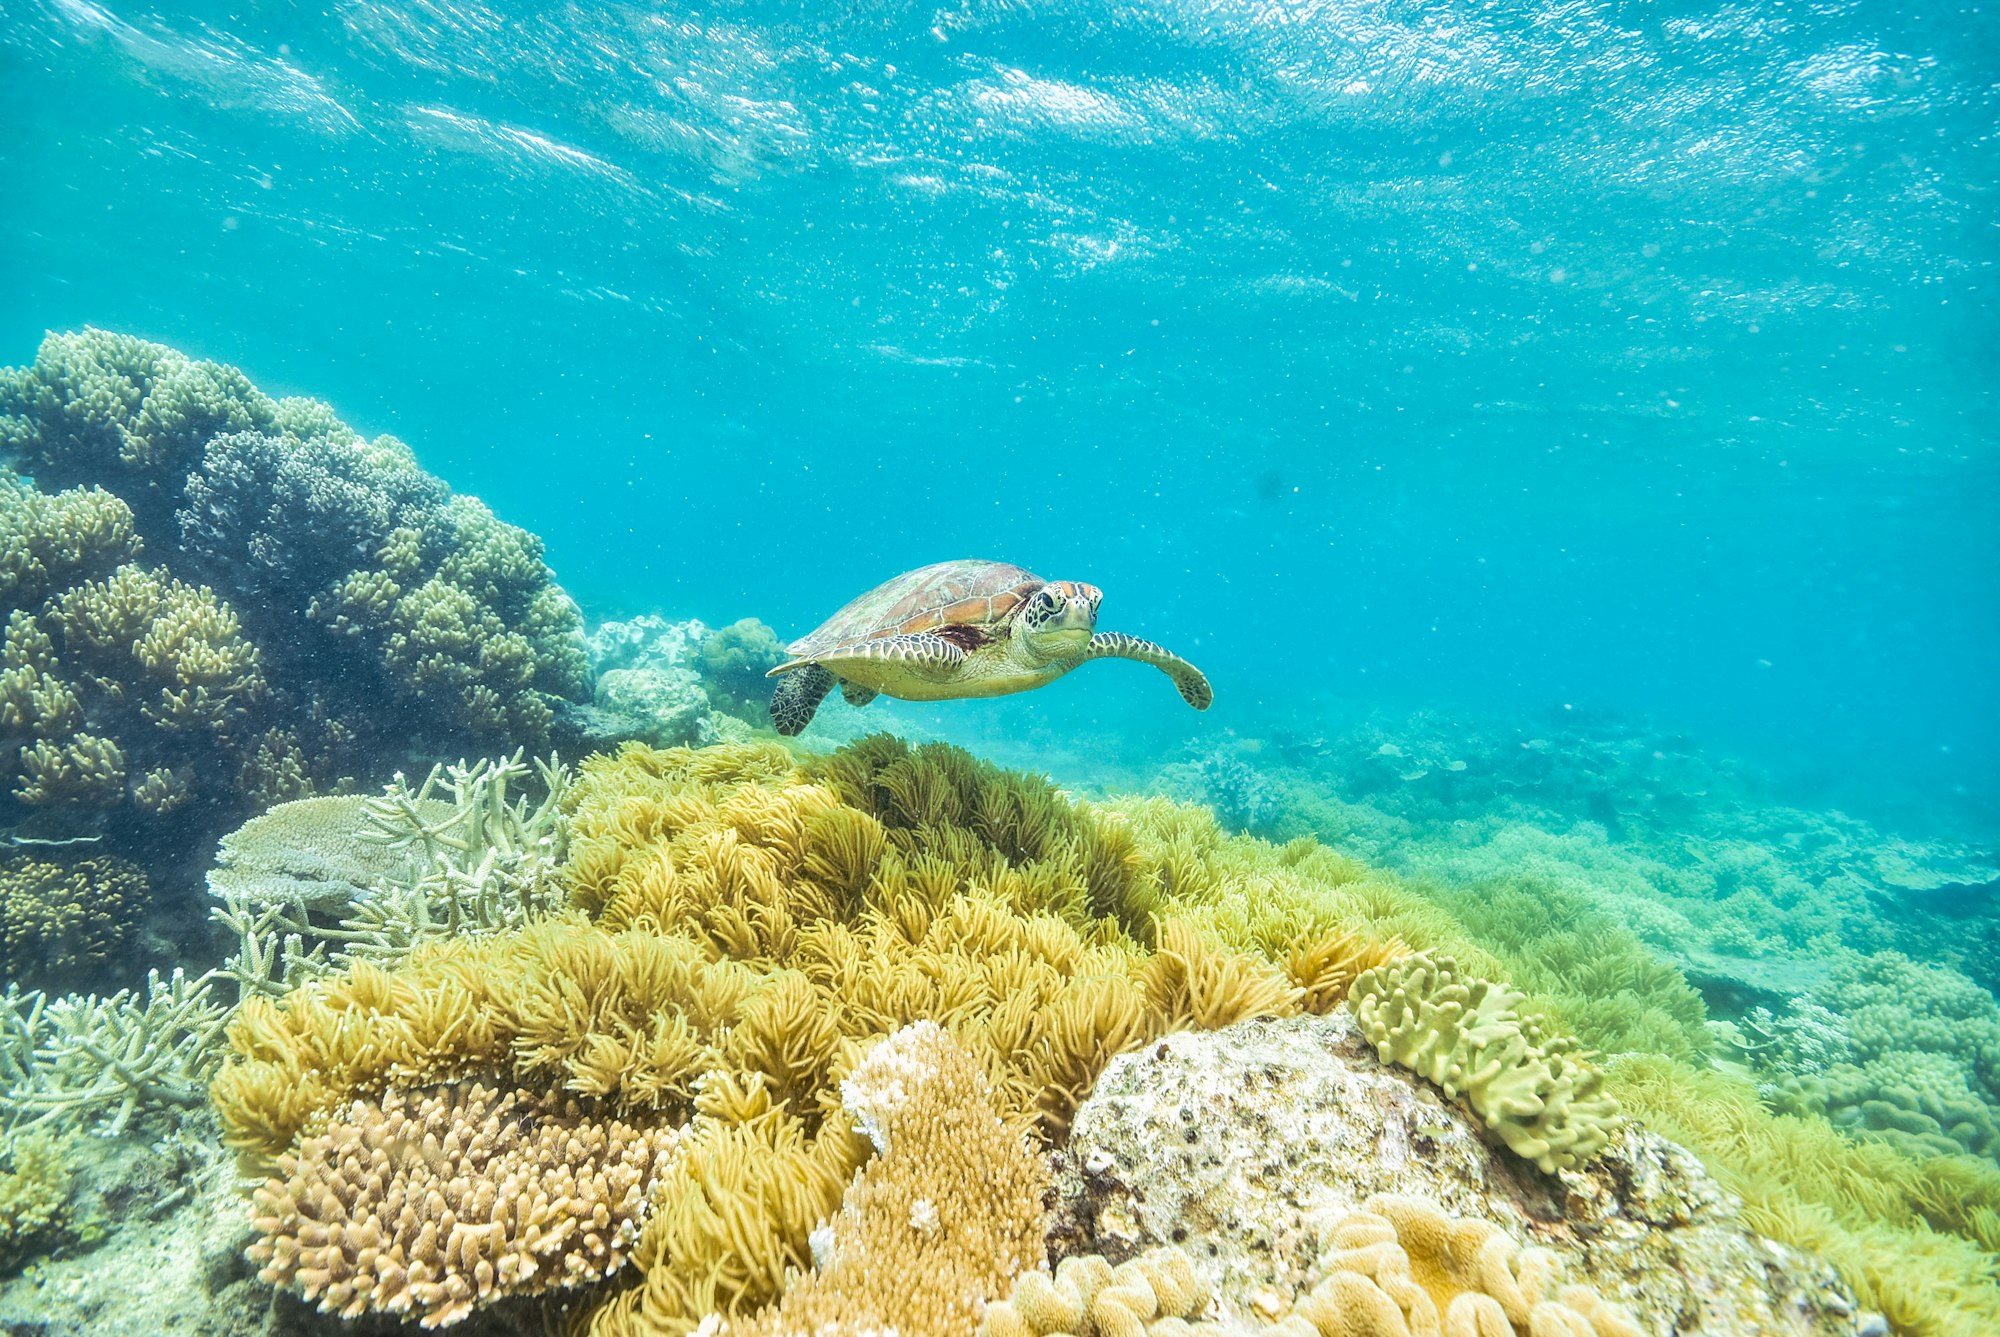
[{"x": 746, "y": 927}]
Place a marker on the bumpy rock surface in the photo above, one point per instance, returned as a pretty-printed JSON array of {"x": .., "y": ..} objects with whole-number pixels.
[{"x": 1247, "y": 1146}]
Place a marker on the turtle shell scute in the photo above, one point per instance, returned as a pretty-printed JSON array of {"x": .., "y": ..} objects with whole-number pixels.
[{"x": 969, "y": 593}]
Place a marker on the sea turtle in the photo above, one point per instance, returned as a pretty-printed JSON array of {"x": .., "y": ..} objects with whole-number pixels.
[{"x": 964, "y": 628}]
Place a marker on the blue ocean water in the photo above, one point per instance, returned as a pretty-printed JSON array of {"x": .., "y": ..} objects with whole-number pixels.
[{"x": 1494, "y": 355}]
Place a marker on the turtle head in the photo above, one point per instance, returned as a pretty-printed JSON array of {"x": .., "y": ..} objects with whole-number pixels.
[{"x": 1058, "y": 619}]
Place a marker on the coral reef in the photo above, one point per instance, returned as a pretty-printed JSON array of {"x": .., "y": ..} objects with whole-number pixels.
[
  {"x": 311, "y": 608},
  {"x": 431, "y": 1203},
  {"x": 63, "y": 921},
  {"x": 670, "y": 684},
  {"x": 744, "y": 925}
]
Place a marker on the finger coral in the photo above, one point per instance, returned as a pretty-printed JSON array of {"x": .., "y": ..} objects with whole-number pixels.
[
  {"x": 431, "y": 1203},
  {"x": 1468, "y": 1036},
  {"x": 943, "y": 1218}
]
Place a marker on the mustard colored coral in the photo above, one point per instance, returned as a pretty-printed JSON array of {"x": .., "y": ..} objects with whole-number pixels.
[
  {"x": 62, "y": 921},
  {"x": 943, "y": 1216}
]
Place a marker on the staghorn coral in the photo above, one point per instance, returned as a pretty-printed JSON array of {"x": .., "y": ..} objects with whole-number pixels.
[
  {"x": 430, "y": 1203},
  {"x": 1468, "y": 1036},
  {"x": 60, "y": 921},
  {"x": 317, "y": 884},
  {"x": 83, "y": 1061}
]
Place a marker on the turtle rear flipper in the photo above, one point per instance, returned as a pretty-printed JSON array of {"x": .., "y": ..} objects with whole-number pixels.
[
  {"x": 798, "y": 696},
  {"x": 1190, "y": 680}
]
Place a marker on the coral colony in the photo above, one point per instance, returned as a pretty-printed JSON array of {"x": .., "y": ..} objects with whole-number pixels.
[{"x": 696, "y": 1030}]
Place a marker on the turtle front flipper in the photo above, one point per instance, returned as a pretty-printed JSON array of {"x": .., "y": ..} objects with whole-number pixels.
[
  {"x": 1192, "y": 683},
  {"x": 798, "y": 696},
  {"x": 856, "y": 694}
]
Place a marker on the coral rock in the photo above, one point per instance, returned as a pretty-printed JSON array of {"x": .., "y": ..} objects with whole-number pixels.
[{"x": 1256, "y": 1146}]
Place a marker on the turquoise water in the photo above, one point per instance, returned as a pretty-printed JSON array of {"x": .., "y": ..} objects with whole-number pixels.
[{"x": 1500, "y": 355}]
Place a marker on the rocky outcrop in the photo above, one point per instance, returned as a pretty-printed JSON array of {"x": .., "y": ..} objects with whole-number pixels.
[{"x": 1248, "y": 1146}]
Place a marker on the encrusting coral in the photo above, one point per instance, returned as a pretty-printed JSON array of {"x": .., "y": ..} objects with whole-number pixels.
[
  {"x": 1401, "y": 1267},
  {"x": 1470, "y": 1037},
  {"x": 1085, "y": 1296},
  {"x": 430, "y": 1203}
]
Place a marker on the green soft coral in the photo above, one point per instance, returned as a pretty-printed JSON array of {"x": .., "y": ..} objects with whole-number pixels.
[{"x": 1470, "y": 1037}]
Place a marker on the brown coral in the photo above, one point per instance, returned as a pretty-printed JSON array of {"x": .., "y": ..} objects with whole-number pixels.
[
  {"x": 431, "y": 1203},
  {"x": 942, "y": 1219}
]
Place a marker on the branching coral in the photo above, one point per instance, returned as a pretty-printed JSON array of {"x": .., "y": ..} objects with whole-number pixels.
[
  {"x": 109, "y": 408},
  {"x": 942, "y": 1218},
  {"x": 86, "y": 1061},
  {"x": 353, "y": 607},
  {"x": 50, "y": 540},
  {"x": 1468, "y": 1036},
  {"x": 432, "y": 1203},
  {"x": 62, "y": 920},
  {"x": 321, "y": 883}
]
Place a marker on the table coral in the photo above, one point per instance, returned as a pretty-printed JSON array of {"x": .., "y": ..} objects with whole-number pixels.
[
  {"x": 1469, "y": 1036},
  {"x": 430, "y": 1203}
]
